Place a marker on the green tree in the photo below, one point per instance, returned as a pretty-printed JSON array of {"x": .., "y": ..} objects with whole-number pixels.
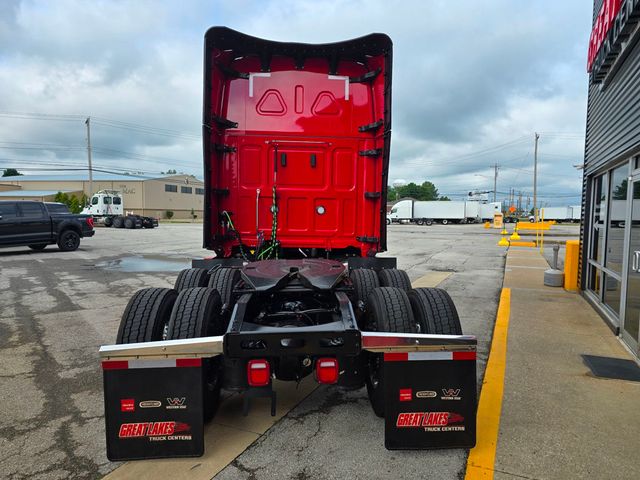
[
  {"x": 72, "y": 202},
  {"x": 620, "y": 192},
  {"x": 426, "y": 191},
  {"x": 10, "y": 172}
]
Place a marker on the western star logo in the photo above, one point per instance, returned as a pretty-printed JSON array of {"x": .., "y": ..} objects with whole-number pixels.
[
  {"x": 176, "y": 403},
  {"x": 450, "y": 394}
]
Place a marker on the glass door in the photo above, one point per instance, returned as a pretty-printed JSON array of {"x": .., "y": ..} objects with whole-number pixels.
[{"x": 631, "y": 322}]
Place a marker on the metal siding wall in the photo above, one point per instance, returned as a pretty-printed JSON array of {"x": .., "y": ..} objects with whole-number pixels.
[{"x": 613, "y": 117}]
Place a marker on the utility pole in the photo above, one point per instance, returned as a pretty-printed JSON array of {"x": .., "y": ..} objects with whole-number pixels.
[
  {"x": 535, "y": 176},
  {"x": 88, "y": 123},
  {"x": 495, "y": 181}
]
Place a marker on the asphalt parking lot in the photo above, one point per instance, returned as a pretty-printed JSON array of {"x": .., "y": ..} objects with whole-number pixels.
[{"x": 58, "y": 308}]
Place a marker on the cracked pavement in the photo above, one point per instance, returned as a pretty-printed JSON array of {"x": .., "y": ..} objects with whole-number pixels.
[{"x": 58, "y": 308}]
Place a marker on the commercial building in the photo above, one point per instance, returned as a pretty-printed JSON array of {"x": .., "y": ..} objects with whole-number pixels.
[
  {"x": 144, "y": 195},
  {"x": 610, "y": 256}
]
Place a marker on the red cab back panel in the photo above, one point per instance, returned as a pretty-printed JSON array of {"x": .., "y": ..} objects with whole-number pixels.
[{"x": 296, "y": 145}]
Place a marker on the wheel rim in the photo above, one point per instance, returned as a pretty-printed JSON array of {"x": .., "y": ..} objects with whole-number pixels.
[{"x": 70, "y": 241}]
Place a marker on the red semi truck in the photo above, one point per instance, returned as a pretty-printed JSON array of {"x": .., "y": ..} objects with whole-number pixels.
[{"x": 296, "y": 153}]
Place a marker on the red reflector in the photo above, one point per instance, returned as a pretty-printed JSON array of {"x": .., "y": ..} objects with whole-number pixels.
[
  {"x": 396, "y": 357},
  {"x": 90, "y": 221},
  {"x": 115, "y": 364},
  {"x": 258, "y": 373},
  {"x": 327, "y": 370},
  {"x": 464, "y": 355},
  {"x": 188, "y": 362}
]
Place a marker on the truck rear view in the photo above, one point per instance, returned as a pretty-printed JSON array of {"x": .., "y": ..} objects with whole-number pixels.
[
  {"x": 296, "y": 153},
  {"x": 296, "y": 146}
]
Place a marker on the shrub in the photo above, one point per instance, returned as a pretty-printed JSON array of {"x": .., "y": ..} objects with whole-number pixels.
[{"x": 169, "y": 214}]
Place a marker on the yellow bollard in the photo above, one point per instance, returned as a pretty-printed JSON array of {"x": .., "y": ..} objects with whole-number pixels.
[
  {"x": 571, "y": 260},
  {"x": 504, "y": 231},
  {"x": 487, "y": 224},
  {"x": 503, "y": 242},
  {"x": 515, "y": 235}
]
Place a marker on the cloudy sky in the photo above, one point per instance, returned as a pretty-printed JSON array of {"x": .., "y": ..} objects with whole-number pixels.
[{"x": 472, "y": 83}]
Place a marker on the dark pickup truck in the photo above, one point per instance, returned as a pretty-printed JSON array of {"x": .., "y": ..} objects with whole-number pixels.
[{"x": 37, "y": 224}]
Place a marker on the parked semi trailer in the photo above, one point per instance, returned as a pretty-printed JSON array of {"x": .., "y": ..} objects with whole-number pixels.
[
  {"x": 445, "y": 212},
  {"x": 296, "y": 288},
  {"x": 559, "y": 214},
  {"x": 107, "y": 208},
  {"x": 426, "y": 212}
]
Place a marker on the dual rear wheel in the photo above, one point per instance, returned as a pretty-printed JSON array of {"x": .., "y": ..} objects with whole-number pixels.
[
  {"x": 190, "y": 310},
  {"x": 391, "y": 305}
]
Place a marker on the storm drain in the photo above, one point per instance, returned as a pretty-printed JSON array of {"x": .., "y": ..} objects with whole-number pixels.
[{"x": 615, "y": 368}]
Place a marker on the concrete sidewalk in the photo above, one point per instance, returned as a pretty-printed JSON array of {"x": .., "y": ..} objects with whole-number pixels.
[{"x": 558, "y": 421}]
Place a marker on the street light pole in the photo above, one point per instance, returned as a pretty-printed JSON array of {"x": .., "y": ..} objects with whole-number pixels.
[
  {"x": 495, "y": 181},
  {"x": 88, "y": 124},
  {"x": 535, "y": 177}
]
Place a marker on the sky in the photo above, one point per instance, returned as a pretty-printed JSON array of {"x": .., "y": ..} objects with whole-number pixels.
[{"x": 472, "y": 82}]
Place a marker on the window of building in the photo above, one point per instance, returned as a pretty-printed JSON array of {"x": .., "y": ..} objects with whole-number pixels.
[
  {"x": 598, "y": 217},
  {"x": 31, "y": 210},
  {"x": 8, "y": 211},
  {"x": 612, "y": 287},
  {"x": 199, "y": 191},
  {"x": 186, "y": 190},
  {"x": 170, "y": 188},
  {"x": 616, "y": 225}
]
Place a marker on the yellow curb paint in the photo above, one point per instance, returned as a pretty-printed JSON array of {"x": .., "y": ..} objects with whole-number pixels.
[{"x": 480, "y": 464}]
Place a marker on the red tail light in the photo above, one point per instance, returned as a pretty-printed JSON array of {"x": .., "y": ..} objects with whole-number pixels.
[
  {"x": 90, "y": 221},
  {"x": 258, "y": 373},
  {"x": 327, "y": 370}
]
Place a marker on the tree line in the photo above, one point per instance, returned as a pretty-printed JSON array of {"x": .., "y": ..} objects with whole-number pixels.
[{"x": 426, "y": 191}]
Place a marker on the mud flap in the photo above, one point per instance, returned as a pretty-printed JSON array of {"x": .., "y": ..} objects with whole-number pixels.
[
  {"x": 430, "y": 400},
  {"x": 153, "y": 408}
]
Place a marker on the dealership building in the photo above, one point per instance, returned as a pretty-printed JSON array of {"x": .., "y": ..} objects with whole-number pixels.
[
  {"x": 143, "y": 195},
  {"x": 610, "y": 251}
]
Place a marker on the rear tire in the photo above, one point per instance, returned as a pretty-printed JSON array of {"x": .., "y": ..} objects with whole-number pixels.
[
  {"x": 445, "y": 221},
  {"x": 223, "y": 280},
  {"x": 69, "y": 241},
  {"x": 388, "y": 310},
  {"x": 108, "y": 221},
  {"x": 420, "y": 221},
  {"x": 129, "y": 223},
  {"x": 392, "y": 277},
  {"x": 191, "y": 278},
  {"x": 38, "y": 247},
  {"x": 146, "y": 317},
  {"x": 434, "y": 311},
  {"x": 364, "y": 282},
  {"x": 118, "y": 222},
  {"x": 196, "y": 314}
]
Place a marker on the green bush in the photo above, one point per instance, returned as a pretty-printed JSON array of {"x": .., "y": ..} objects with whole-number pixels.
[{"x": 169, "y": 214}]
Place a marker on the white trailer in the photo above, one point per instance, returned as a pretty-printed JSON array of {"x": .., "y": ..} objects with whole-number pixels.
[
  {"x": 559, "y": 214},
  {"x": 488, "y": 210},
  {"x": 425, "y": 212}
]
